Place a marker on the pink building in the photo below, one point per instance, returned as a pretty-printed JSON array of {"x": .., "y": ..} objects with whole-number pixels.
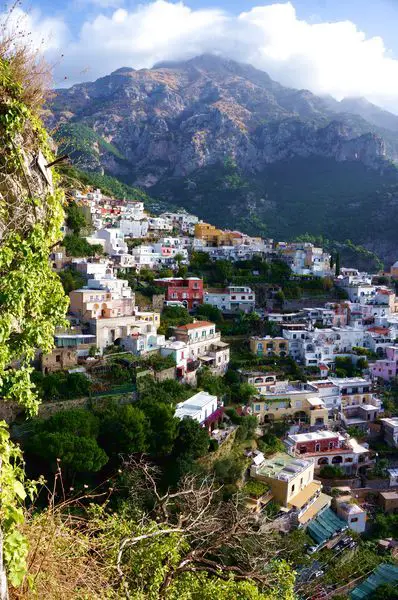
[
  {"x": 99, "y": 304},
  {"x": 387, "y": 368}
]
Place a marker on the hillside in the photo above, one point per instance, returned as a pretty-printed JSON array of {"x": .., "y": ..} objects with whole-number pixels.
[{"x": 280, "y": 160}]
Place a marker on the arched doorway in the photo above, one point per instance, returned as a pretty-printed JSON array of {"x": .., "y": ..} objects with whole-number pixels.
[{"x": 337, "y": 460}]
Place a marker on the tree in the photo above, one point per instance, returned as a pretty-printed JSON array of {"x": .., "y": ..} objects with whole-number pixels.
[
  {"x": 228, "y": 470},
  {"x": 77, "y": 454},
  {"x": 224, "y": 270},
  {"x": 331, "y": 472},
  {"x": 209, "y": 312},
  {"x": 71, "y": 436},
  {"x": 77, "y": 246},
  {"x": 280, "y": 297},
  {"x": 123, "y": 430},
  {"x": 246, "y": 392},
  {"x": 192, "y": 440},
  {"x": 198, "y": 546},
  {"x": 163, "y": 425},
  {"x": 75, "y": 219},
  {"x": 71, "y": 280},
  {"x": 173, "y": 316},
  {"x": 337, "y": 265},
  {"x": 213, "y": 384},
  {"x": 270, "y": 443},
  {"x": 247, "y": 428},
  {"x": 61, "y": 385}
]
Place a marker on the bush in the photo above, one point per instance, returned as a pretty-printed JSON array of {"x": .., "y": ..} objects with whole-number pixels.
[
  {"x": 213, "y": 445},
  {"x": 331, "y": 472},
  {"x": 61, "y": 385},
  {"x": 255, "y": 489},
  {"x": 78, "y": 247},
  {"x": 209, "y": 312}
]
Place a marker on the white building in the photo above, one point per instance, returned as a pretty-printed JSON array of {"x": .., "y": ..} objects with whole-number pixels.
[
  {"x": 329, "y": 392},
  {"x": 182, "y": 221},
  {"x": 199, "y": 407},
  {"x": 232, "y": 299},
  {"x": 352, "y": 513},
  {"x": 390, "y": 431},
  {"x": 159, "y": 224},
  {"x": 195, "y": 345},
  {"x": 143, "y": 339},
  {"x": 133, "y": 211},
  {"x": 145, "y": 257},
  {"x": 113, "y": 241},
  {"x": 89, "y": 268},
  {"x": 119, "y": 288},
  {"x": 134, "y": 228}
]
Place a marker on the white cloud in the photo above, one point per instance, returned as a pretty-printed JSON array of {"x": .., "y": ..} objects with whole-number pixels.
[
  {"x": 335, "y": 58},
  {"x": 42, "y": 33}
]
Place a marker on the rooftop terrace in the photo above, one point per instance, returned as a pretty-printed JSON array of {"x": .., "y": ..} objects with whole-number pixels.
[{"x": 282, "y": 466}]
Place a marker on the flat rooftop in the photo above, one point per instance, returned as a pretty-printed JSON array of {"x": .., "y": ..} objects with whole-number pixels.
[
  {"x": 314, "y": 436},
  {"x": 197, "y": 401},
  {"x": 344, "y": 381},
  {"x": 291, "y": 387},
  {"x": 391, "y": 421},
  {"x": 282, "y": 466}
]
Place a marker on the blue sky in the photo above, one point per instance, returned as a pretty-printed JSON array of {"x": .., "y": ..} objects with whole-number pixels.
[
  {"x": 337, "y": 47},
  {"x": 374, "y": 17}
]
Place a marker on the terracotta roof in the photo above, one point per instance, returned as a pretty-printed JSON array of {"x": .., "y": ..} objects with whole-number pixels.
[
  {"x": 196, "y": 325},
  {"x": 379, "y": 330}
]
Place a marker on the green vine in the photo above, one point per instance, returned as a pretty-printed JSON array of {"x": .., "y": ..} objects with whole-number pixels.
[
  {"x": 13, "y": 491},
  {"x": 32, "y": 300}
]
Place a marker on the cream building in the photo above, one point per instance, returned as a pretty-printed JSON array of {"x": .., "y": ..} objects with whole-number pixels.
[
  {"x": 291, "y": 399},
  {"x": 292, "y": 484}
]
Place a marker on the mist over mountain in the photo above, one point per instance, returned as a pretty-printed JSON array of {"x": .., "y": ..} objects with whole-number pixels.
[{"x": 226, "y": 141}]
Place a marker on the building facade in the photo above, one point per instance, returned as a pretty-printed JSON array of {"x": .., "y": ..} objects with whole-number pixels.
[{"x": 188, "y": 291}]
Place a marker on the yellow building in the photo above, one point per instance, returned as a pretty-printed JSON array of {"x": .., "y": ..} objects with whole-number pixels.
[
  {"x": 216, "y": 237},
  {"x": 294, "y": 400},
  {"x": 269, "y": 346},
  {"x": 394, "y": 270},
  {"x": 292, "y": 485}
]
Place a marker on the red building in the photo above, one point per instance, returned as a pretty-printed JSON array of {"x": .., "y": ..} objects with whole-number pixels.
[{"x": 189, "y": 291}]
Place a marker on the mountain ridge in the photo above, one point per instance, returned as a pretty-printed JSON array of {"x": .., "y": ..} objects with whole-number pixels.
[{"x": 167, "y": 128}]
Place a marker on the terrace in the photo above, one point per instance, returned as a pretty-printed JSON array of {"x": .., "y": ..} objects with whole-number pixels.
[{"x": 282, "y": 466}]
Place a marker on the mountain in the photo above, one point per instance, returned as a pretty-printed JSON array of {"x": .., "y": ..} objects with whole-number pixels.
[
  {"x": 226, "y": 141},
  {"x": 370, "y": 112}
]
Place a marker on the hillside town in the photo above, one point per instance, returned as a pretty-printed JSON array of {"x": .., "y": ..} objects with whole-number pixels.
[{"x": 274, "y": 336}]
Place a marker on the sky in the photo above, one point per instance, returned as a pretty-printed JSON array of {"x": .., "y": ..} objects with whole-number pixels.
[{"x": 338, "y": 47}]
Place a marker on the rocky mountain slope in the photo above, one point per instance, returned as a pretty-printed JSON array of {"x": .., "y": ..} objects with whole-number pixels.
[{"x": 225, "y": 139}]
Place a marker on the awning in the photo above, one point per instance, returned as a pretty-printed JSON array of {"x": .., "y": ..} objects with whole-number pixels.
[
  {"x": 319, "y": 504},
  {"x": 315, "y": 402},
  {"x": 384, "y": 573},
  {"x": 302, "y": 497},
  {"x": 206, "y": 358},
  {"x": 325, "y": 526}
]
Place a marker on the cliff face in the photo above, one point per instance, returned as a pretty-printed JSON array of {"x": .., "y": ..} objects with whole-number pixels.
[
  {"x": 176, "y": 118},
  {"x": 227, "y": 142}
]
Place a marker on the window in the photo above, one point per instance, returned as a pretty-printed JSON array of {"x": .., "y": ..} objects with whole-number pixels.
[
  {"x": 354, "y": 520},
  {"x": 58, "y": 358},
  {"x": 293, "y": 486},
  {"x": 317, "y": 447},
  {"x": 257, "y": 407}
]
